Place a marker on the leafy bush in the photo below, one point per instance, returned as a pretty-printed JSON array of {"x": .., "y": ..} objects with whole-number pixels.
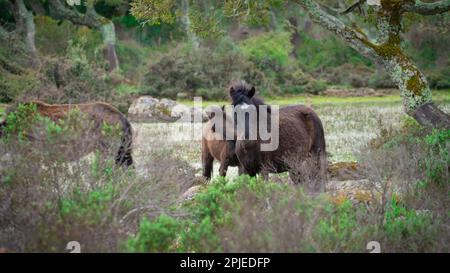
[
  {"x": 438, "y": 78},
  {"x": 54, "y": 38},
  {"x": 436, "y": 164},
  {"x": 355, "y": 75},
  {"x": 381, "y": 80},
  {"x": 201, "y": 72},
  {"x": 315, "y": 54},
  {"x": 269, "y": 50},
  {"x": 249, "y": 215},
  {"x": 47, "y": 200},
  {"x": 132, "y": 60}
]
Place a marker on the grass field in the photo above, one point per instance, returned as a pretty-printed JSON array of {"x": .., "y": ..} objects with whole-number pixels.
[
  {"x": 108, "y": 204},
  {"x": 349, "y": 127},
  {"x": 439, "y": 96}
]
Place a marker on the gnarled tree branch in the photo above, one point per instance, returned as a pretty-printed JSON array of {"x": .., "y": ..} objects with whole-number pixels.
[
  {"x": 59, "y": 11},
  {"x": 410, "y": 80},
  {"x": 427, "y": 8},
  {"x": 93, "y": 20},
  {"x": 354, "y": 6},
  {"x": 356, "y": 38}
]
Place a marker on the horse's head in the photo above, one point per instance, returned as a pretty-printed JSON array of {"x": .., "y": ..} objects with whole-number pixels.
[
  {"x": 242, "y": 95},
  {"x": 246, "y": 109}
]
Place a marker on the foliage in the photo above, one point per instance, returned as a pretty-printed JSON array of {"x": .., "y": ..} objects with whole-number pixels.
[
  {"x": 268, "y": 50},
  {"x": 56, "y": 199},
  {"x": 316, "y": 54},
  {"x": 248, "y": 215},
  {"x": 154, "y": 12},
  {"x": 202, "y": 72}
]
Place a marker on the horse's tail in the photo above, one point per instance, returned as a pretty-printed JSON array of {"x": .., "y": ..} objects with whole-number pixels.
[
  {"x": 318, "y": 147},
  {"x": 124, "y": 156}
]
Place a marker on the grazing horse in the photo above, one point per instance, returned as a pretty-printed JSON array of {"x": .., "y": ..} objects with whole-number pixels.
[
  {"x": 216, "y": 147},
  {"x": 99, "y": 113},
  {"x": 301, "y": 139}
]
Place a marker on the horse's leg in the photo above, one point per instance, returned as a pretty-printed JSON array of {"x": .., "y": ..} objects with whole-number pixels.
[
  {"x": 249, "y": 161},
  {"x": 223, "y": 168},
  {"x": 240, "y": 170},
  {"x": 224, "y": 163},
  {"x": 321, "y": 178},
  {"x": 207, "y": 163},
  {"x": 124, "y": 157},
  {"x": 265, "y": 175}
]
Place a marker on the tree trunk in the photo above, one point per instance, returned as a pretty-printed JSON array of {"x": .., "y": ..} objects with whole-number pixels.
[
  {"x": 108, "y": 31},
  {"x": 412, "y": 83},
  {"x": 92, "y": 20},
  {"x": 109, "y": 39},
  {"x": 296, "y": 38},
  {"x": 27, "y": 28},
  {"x": 192, "y": 38},
  {"x": 416, "y": 93},
  {"x": 37, "y": 7}
]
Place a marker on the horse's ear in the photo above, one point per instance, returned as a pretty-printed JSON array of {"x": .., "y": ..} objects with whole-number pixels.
[{"x": 252, "y": 92}]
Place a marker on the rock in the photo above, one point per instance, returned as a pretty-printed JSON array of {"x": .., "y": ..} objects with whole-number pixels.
[
  {"x": 168, "y": 104},
  {"x": 149, "y": 109},
  {"x": 190, "y": 193},
  {"x": 357, "y": 191},
  {"x": 345, "y": 171}
]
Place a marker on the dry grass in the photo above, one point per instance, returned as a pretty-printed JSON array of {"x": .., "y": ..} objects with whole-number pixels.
[{"x": 47, "y": 201}]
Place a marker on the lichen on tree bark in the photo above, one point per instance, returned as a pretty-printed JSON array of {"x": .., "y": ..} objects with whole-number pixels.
[{"x": 387, "y": 49}]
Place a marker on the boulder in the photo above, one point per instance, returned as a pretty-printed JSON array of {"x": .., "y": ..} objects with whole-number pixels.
[{"x": 150, "y": 109}]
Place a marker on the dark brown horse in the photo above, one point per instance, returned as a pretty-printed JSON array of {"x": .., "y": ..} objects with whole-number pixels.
[
  {"x": 301, "y": 139},
  {"x": 214, "y": 146},
  {"x": 99, "y": 114}
]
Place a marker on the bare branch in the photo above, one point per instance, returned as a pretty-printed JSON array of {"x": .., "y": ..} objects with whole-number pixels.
[
  {"x": 354, "y": 6},
  {"x": 424, "y": 8}
]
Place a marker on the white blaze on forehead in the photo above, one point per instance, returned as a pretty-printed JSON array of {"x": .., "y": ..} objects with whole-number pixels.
[{"x": 243, "y": 106}]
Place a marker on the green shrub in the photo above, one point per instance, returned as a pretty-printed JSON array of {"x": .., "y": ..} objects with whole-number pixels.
[
  {"x": 250, "y": 215},
  {"x": 315, "y": 54},
  {"x": 158, "y": 235},
  {"x": 201, "y": 72},
  {"x": 381, "y": 80},
  {"x": 132, "y": 59},
  {"x": 56, "y": 196},
  {"x": 436, "y": 164},
  {"x": 13, "y": 86},
  {"x": 53, "y": 37},
  {"x": 269, "y": 50},
  {"x": 439, "y": 78},
  {"x": 292, "y": 80}
]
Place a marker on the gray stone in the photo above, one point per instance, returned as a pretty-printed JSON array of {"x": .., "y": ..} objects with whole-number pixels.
[{"x": 149, "y": 109}]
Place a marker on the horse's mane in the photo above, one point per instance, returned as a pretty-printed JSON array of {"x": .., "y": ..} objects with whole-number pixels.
[{"x": 243, "y": 87}]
